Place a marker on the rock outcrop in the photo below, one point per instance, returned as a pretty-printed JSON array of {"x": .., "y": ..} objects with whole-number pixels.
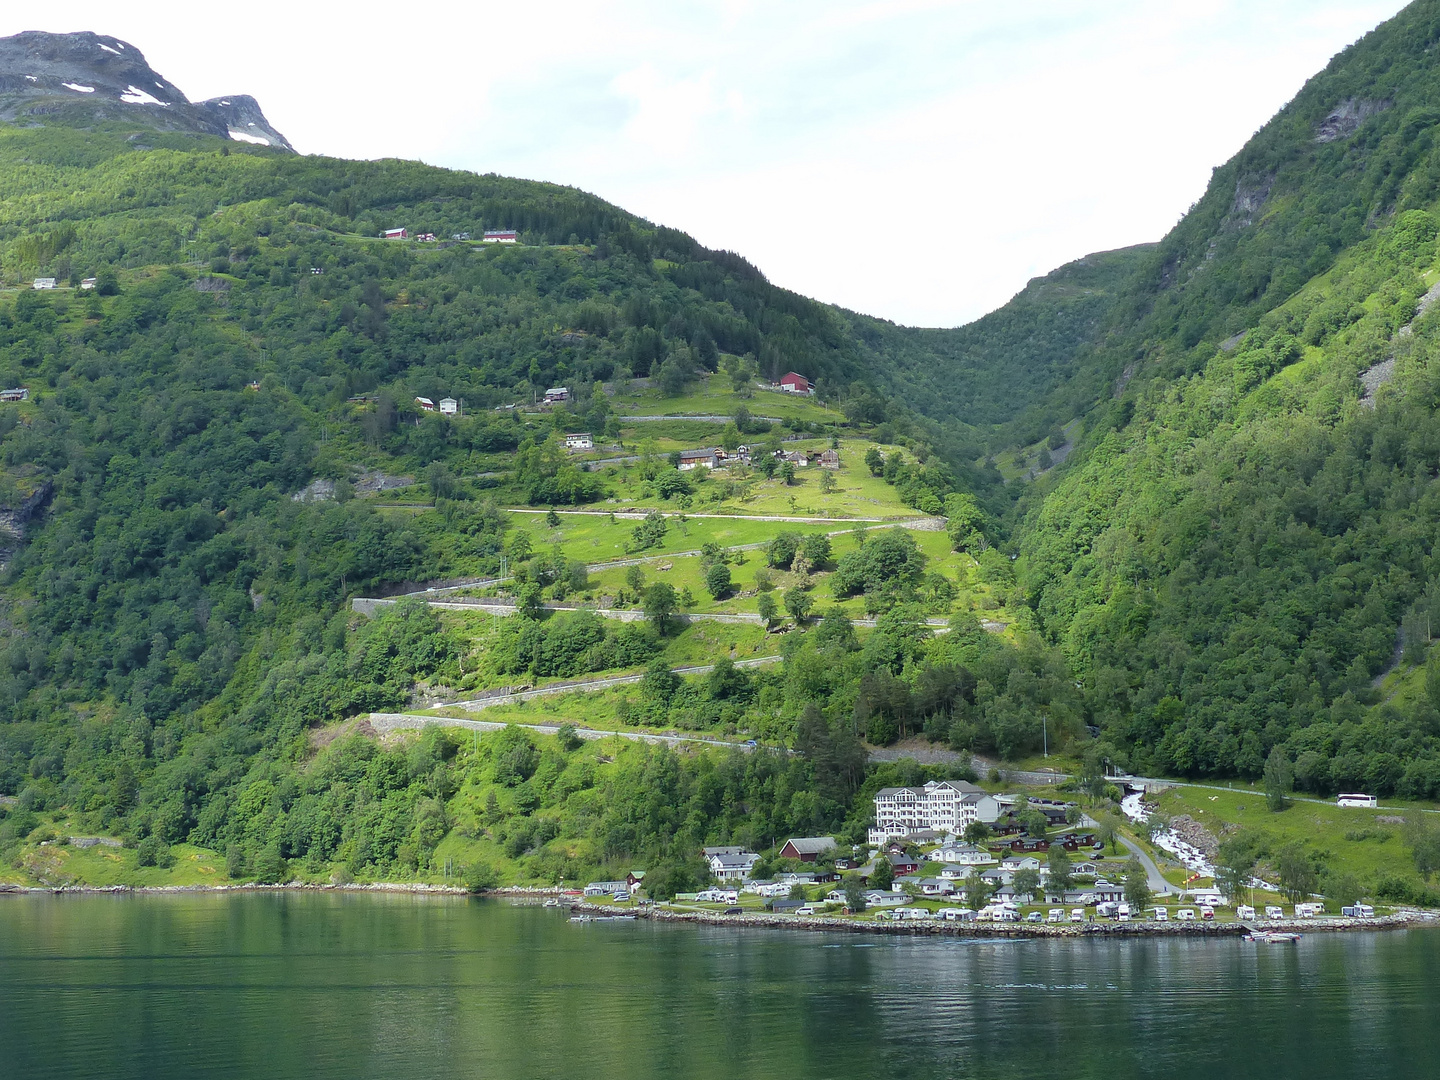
[{"x": 74, "y": 77}]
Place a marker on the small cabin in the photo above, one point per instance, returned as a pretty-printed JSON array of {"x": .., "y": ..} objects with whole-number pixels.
[
  {"x": 396, "y": 234},
  {"x": 425, "y": 403},
  {"x": 44, "y": 283},
  {"x": 19, "y": 393},
  {"x": 693, "y": 459},
  {"x": 500, "y": 236},
  {"x": 89, "y": 282},
  {"x": 557, "y": 393}
]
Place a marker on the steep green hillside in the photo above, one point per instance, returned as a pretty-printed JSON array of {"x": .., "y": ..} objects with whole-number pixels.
[
  {"x": 222, "y": 446},
  {"x": 1229, "y": 556}
]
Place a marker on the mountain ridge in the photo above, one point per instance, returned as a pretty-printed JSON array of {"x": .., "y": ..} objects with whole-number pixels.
[{"x": 91, "y": 75}]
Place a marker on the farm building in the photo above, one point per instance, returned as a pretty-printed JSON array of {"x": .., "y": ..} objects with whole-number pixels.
[{"x": 794, "y": 383}]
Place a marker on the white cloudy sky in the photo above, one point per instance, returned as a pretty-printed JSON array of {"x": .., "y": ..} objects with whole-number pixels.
[{"x": 913, "y": 159}]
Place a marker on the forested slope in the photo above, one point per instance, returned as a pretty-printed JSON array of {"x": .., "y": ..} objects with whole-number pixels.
[{"x": 1229, "y": 557}]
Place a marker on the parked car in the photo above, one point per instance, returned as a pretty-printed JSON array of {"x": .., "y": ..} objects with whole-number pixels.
[
  {"x": 620, "y": 897},
  {"x": 1034, "y": 916},
  {"x": 734, "y": 910}
]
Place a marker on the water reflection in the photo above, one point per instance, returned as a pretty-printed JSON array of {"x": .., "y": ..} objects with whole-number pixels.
[{"x": 362, "y": 986}]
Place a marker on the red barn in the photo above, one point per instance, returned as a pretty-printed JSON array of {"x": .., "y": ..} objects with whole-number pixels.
[
  {"x": 806, "y": 848},
  {"x": 794, "y": 383}
]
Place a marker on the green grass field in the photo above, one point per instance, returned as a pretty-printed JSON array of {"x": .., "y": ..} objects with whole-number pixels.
[
  {"x": 62, "y": 864},
  {"x": 596, "y": 539},
  {"x": 1349, "y": 840},
  {"x": 712, "y": 396}
]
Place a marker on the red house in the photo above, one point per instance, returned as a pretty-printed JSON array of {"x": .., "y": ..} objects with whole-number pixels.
[{"x": 794, "y": 383}]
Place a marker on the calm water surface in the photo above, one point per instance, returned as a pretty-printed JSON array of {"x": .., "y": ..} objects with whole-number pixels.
[{"x": 394, "y": 986}]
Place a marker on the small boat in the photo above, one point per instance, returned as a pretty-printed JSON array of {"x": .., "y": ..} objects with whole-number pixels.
[
  {"x": 1273, "y": 937},
  {"x": 552, "y": 902},
  {"x": 582, "y": 918}
]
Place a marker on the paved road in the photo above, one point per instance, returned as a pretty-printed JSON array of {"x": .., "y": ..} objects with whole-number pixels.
[
  {"x": 402, "y": 721},
  {"x": 1158, "y": 885}
]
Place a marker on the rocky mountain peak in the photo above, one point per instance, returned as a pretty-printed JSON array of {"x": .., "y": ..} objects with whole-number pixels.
[{"x": 43, "y": 74}]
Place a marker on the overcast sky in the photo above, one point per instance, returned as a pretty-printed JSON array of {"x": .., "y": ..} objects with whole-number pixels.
[{"x": 917, "y": 159}]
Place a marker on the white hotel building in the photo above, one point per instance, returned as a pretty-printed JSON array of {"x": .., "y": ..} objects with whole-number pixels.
[{"x": 941, "y": 806}]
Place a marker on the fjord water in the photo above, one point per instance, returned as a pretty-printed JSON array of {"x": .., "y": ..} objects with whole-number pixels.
[{"x": 347, "y": 985}]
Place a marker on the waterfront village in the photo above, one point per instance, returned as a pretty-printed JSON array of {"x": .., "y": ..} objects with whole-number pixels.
[{"x": 951, "y": 852}]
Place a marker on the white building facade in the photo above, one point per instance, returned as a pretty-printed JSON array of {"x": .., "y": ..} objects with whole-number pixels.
[{"x": 942, "y": 806}]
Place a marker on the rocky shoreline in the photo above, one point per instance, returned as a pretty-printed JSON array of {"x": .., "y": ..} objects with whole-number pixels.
[
  {"x": 765, "y": 921},
  {"x": 419, "y": 887}
]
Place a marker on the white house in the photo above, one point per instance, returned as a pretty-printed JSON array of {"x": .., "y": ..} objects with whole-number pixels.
[
  {"x": 606, "y": 888},
  {"x": 693, "y": 459},
  {"x": 44, "y": 283},
  {"x": 735, "y": 867},
  {"x": 943, "y": 806},
  {"x": 449, "y": 406},
  {"x": 89, "y": 282},
  {"x": 557, "y": 393},
  {"x": 579, "y": 440},
  {"x": 965, "y": 855},
  {"x": 500, "y": 236},
  {"x": 877, "y": 898},
  {"x": 19, "y": 393}
]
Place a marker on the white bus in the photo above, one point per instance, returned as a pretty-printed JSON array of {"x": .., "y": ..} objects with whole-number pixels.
[{"x": 1356, "y": 799}]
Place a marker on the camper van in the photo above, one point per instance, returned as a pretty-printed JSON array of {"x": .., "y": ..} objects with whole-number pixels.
[
  {"x": 1160, "y": 914},
  {"x": 1244, "y": 911}
]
